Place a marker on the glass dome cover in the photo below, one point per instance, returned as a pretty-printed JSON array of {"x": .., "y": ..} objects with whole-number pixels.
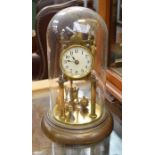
[{"x": 76, "y": 44}]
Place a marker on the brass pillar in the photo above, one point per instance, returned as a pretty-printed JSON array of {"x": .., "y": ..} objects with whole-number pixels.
[
  {"x": 93, "y": 96},
  {"x": 71, "y": 91},
  {"x": 61, "y": 97}
]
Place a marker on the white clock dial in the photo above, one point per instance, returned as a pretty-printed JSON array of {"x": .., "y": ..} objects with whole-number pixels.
[{"x": 76, "y": 61}]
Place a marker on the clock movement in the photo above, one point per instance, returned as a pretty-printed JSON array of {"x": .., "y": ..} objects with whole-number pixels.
[{"x": 76, "y": 45}]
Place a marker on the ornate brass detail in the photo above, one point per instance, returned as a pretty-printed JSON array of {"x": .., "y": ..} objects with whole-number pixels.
[
  {"x": 76, "y": 114},
  {"x": 72, "y": 109},
  {"x": 84, "y": 103},
  {"x": 77, "y": 38}
]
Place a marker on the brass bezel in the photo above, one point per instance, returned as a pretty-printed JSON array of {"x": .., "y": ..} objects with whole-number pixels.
[{"x": 62, "y": 69}]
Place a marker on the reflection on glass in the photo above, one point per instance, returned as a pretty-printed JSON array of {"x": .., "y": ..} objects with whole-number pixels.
[
  {"x": 116, "y": 37},
  {"x": 94, "y": 149}
]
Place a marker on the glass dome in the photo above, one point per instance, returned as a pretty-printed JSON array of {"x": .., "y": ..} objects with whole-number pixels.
[{"x": 76, "y": 44}]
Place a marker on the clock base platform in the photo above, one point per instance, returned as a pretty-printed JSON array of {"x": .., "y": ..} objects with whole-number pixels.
[{"x": 77, "y": 135}]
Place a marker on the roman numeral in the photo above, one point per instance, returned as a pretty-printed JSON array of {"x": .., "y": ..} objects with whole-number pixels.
[
  {"x": 71, "y": 52},
  {"x": 76, "y": 50}
]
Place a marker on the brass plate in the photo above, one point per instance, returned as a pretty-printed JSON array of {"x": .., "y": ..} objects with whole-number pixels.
[{"x": 80, "y": 117}]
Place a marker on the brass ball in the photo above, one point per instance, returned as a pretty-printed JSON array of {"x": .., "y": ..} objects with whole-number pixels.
[{"x": 84, "y": 102}]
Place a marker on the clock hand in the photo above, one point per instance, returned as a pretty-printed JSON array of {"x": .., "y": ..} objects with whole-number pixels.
[
  {"x": 73, "y": 58},
  {"x": 70, "y": 61},
  {"x": 75, "y": 61}
]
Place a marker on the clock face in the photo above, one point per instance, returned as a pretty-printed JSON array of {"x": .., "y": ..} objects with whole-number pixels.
[{"x": 76, "y": 62}]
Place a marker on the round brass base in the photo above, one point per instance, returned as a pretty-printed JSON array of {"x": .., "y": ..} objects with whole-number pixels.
[{"x": 80, "y": 135}]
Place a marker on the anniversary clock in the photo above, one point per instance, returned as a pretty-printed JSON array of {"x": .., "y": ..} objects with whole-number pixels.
[{"x": 76, "y": 45}]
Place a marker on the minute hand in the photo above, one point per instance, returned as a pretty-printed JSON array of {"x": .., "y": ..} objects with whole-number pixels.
[{"x": 73, "y": 58}]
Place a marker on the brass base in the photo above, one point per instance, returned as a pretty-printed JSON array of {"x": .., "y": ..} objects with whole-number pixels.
[{"x": 77, "y": 135}]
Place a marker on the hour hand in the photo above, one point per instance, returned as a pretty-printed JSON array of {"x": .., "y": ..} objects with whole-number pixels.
[
  {"x": 70, "y": 61},
  {"x": 76, "y": 61}
]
